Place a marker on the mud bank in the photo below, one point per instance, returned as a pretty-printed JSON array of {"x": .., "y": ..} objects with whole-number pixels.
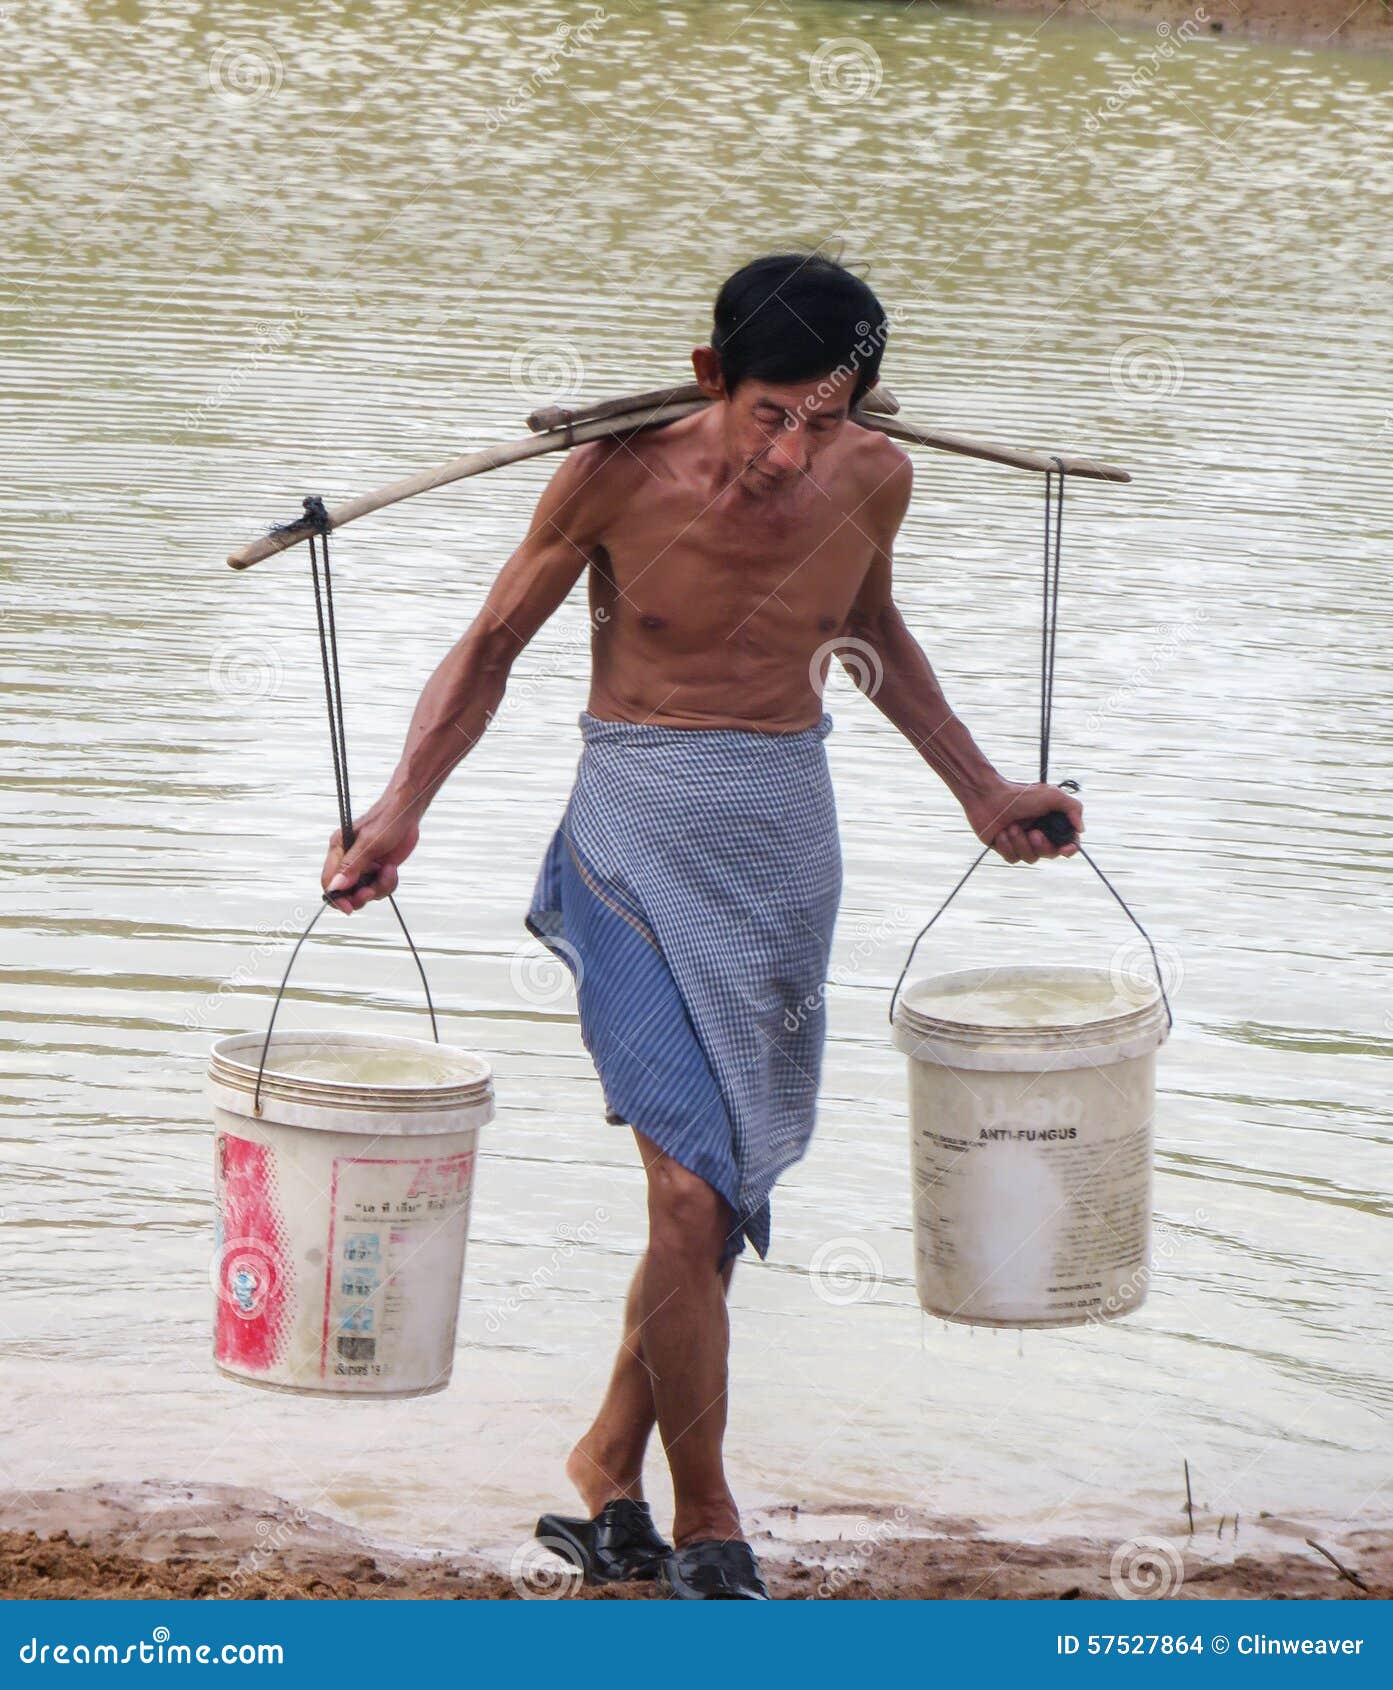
[
  {"x": 217, "y": 1542},
  {"x": 1309, "y": 23}
]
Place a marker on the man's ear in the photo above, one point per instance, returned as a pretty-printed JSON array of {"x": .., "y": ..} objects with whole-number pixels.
[{"x": 706, "y": 366}]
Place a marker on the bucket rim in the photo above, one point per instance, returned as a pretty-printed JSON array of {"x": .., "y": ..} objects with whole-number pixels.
[
  {"x": 1139, "y": 1026},
  {"x": 1147, "y": 996},
  {"x": 235, "y": 1059}
]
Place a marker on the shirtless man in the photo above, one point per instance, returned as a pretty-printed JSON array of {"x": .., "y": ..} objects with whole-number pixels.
[{"x": 693, "y": 883}]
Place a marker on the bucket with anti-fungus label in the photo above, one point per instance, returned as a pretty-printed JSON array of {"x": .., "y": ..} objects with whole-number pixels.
[
  {"x": 344, "y": 1169},
  {"x": 1032, "y": 1106}
]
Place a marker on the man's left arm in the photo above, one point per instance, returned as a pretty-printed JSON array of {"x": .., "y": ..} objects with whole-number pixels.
[{"x": 901, "y": 682}]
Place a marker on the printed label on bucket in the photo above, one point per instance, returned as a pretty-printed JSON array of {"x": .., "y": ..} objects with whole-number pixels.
[
  {"x": 1032, "y": 1193},
  {"x": 395, "y": 1235},
  {"x": 249, "y": 1262}
]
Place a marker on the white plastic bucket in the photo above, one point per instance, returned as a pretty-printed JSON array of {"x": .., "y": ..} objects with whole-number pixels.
[
  {"x": 342, "y": 1209},
  {"x": 1032, "y": 1103}
]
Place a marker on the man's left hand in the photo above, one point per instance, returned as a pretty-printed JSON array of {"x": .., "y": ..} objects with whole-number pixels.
[{"x": 1001, "y": 818}]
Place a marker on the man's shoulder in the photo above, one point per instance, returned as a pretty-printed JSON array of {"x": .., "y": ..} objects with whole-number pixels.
[
  {"x": 592, "y": 479},
  {"x": 874, "y": 451},
  {"x": 597, "y": 463},
  {"x": 877, "y": 467}
]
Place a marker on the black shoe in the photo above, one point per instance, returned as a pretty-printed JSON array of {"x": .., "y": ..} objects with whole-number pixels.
[
  {"x": 712, "y": 1570},
  {"x": 620, "y": 1543}
]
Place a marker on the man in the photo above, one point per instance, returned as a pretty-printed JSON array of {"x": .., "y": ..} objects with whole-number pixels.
[{"x": 694, "y": 881}]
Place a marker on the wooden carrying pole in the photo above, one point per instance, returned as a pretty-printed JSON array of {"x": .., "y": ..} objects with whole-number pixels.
[{"x": 558, "y": 429}]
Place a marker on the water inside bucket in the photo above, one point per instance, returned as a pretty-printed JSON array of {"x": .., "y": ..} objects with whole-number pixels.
[
  {"x": 1048, "y": 1000},
  {"x": 364, "y": 1065}
]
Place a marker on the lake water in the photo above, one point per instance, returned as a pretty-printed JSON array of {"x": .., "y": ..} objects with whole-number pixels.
[{"x": 253, "y": 255}]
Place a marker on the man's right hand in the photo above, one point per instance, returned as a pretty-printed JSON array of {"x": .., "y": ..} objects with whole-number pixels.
[{"x": 382, "y": 841}]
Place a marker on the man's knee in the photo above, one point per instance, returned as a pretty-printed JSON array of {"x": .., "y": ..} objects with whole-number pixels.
[{"x": 686, "y": 1217}]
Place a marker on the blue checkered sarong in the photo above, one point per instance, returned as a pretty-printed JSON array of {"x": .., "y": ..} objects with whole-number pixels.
[{"x": 692, "y": 888}]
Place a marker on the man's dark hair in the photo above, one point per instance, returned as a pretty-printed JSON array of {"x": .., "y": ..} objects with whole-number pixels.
[{"x": 792, "y": 316}]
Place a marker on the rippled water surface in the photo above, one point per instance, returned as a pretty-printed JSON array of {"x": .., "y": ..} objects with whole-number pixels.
[{"x": 255, "y": 253}]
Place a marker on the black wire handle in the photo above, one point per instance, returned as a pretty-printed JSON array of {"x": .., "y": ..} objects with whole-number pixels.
[
  {"x": 1122, "y": 902},
  {"x": 318, "y": 518},
  {"x": 1056, "y": 826},
  {"x": 285, "y": 981}
]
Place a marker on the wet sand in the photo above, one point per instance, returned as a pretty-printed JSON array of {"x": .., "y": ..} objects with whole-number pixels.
[
  {"x": 1310, "y": 23},
  {"x": 169, "y": 1541}
]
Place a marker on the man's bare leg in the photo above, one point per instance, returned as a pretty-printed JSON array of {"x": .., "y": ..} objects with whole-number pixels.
[
  {"x": 608, "y": 1461},
  {"x": 684, "y": 1331}
]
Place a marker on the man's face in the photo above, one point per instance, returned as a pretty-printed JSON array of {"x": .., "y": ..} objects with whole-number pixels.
[{"x": 775, "y": 431}]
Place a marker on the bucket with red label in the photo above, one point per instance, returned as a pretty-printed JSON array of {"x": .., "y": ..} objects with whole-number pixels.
[{"x": 344, "y": 1171}]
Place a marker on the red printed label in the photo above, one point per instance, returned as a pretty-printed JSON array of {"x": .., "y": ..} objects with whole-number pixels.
[{"x": 251, "y": 1269}]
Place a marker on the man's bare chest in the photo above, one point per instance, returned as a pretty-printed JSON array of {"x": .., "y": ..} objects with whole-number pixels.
[{"x": 670, "y": 546}]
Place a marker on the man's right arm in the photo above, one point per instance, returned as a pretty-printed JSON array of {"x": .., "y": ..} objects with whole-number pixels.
[{"x": 466, "y": 689}]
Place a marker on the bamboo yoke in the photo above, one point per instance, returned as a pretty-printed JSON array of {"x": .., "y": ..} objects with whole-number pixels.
[{"x": 557, "y": 428}]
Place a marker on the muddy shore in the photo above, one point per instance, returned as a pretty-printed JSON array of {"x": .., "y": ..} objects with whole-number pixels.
[
  {"x": 169, "y": 1541},
  {"x": 1308, "y": 23}
]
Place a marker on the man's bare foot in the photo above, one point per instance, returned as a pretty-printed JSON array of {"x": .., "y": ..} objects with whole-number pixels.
[{"x": 601, "y": 1474}]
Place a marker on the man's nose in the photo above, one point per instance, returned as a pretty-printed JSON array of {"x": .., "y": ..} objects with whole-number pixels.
[{"x": 789, "y": 451}]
